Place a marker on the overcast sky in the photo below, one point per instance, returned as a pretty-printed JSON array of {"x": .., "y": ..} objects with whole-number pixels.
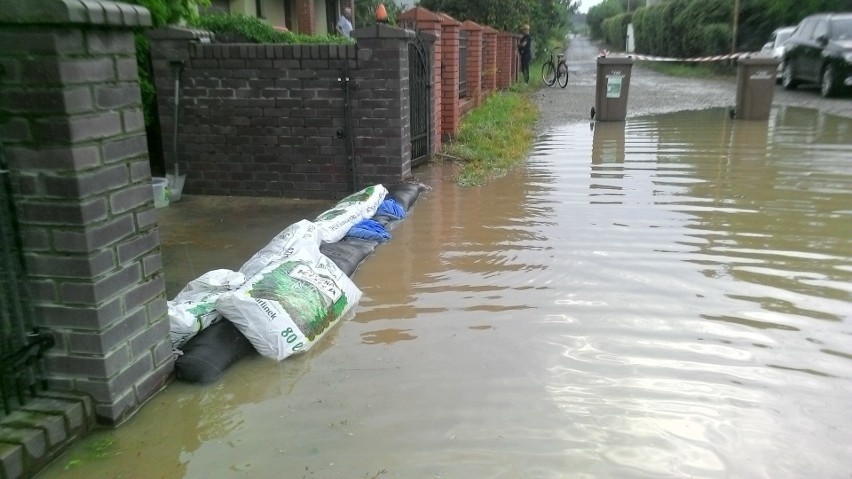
[{"x": 586, "y": 4}]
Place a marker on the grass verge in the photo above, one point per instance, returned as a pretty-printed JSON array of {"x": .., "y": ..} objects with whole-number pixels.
[{"x": 494, "y": 137}]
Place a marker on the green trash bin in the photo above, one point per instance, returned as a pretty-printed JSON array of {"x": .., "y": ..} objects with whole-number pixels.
[{"x": 612, "y": 88}]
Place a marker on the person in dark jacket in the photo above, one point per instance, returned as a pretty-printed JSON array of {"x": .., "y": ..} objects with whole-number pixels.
[{"x": 525, "y": 50}]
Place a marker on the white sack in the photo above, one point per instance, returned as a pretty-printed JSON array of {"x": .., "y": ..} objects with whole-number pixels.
[
  {"x": 334, "y": 223},
  {"x": 304, "y": 233},
  {"x": 292, "y": 302},
  {"x": 194, "y": 308}
]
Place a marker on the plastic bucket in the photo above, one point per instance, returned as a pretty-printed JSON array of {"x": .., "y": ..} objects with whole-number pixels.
[{"x": 161, "y": 192}]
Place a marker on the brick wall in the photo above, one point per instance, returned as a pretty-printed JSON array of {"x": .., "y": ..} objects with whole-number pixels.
[
  {"x": 75, "y": 144},
  {"x": 267, "y": 120}
]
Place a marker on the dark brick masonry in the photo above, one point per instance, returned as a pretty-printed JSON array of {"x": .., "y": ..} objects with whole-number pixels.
[{"x": 266, "y": 120}]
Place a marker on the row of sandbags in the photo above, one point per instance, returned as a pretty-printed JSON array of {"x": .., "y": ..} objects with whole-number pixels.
[{"x": 290, "y": 293}]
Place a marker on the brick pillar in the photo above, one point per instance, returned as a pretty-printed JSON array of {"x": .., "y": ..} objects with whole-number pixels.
[
  {"x": 307, "y": 16},
  {"x": 449, "y": 39},
  {"x": 381, "y": 113},
  {"x": 474, "y": 60},
  {"x": 75, "y": 142},
  {"x": 420, "y": 19},
  {"x": 505, "y": 47},
  {"x": 490, "y": 64}
]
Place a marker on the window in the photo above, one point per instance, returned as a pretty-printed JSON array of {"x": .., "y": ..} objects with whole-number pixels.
[{"x": 820, "y": 30}]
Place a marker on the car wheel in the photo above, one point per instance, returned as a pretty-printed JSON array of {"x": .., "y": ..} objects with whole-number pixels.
[
  {"x": 828, "y": 87},
  {"x": 787, "y": 79}
]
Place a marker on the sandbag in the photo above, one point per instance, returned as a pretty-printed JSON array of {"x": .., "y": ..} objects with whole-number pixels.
[
  {"x": 303, "y": 232},
  {"x": 348, "y": 253},
  {"x": 194, "y": 308},
  {"x": 209, "y": 353},
  {"x": 334, "y": 223},
  {"x": 292, "y": 303},
  {"x": 406, "y": 193}
]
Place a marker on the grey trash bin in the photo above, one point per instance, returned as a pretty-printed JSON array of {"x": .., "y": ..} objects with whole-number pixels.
[
  {"x": 755, "y": 86},
  {"x": 612, "y": 88}
]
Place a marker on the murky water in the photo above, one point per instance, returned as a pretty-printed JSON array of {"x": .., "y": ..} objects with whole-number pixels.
[{"x": 668, "y": 297}]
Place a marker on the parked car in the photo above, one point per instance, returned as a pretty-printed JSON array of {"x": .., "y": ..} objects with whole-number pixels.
[
  {"x": 775, "y": 46},
  {"x": 820, "y": 51}
]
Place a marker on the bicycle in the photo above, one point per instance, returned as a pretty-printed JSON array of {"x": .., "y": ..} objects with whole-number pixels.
[{"x": 555, "y": 72}]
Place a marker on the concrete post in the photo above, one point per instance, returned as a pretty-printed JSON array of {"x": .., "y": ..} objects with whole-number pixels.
[{"x": 75, "y": 140}]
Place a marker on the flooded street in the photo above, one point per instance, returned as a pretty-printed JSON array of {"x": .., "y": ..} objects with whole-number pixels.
[{"x": 665, "y": 297}]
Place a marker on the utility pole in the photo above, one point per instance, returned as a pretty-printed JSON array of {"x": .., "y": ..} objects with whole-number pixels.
[{"x": 736, "y": 26}]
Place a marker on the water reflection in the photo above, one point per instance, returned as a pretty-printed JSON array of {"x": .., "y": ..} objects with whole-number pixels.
[{"x": 666, "y": 297}]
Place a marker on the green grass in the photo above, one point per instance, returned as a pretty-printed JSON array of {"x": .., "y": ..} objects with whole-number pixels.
[
  {"x": 495, "y": 137},
  {"x": 690, "y": 69}
]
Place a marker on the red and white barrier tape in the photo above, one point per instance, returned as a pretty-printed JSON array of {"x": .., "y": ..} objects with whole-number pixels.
[{"x": 714, "y": 58}]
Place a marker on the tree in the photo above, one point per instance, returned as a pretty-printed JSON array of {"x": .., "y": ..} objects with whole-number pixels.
[{"x": 548, "y": 19}]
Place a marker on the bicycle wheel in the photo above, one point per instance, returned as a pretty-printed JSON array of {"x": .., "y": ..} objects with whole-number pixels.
[
  {"x": 548, "y": 73},
  {"x": 562, "y": 74}
]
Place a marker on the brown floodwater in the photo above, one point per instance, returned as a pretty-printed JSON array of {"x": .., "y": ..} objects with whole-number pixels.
[{"x": 665, "y": 297}]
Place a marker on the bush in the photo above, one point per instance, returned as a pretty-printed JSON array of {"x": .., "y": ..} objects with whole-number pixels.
[
  {"x": 615, "y": 30},
  {"x": 253, "y": 30},
  {"x": 716, "y": 38}
]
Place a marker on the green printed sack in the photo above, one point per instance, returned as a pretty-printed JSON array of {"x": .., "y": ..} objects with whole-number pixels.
[{"x": 292, "y": 303}]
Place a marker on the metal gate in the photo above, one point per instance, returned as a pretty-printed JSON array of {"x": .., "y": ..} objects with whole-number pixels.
[
  {"x": 21, "y": 345},
  {"x": 419, "y": 87}
]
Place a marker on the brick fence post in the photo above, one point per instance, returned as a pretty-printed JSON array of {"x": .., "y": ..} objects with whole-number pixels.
[
  {"x": 490, "y": 64},
  {"x": 381, "y": 106},
  {"x": 75, "y": 141},
  {"x": 420, "y": 19},
  {"x": 450, "y": 115},
  {"x": 505, "y": 49},
  {"x": 474, "y": 60}
]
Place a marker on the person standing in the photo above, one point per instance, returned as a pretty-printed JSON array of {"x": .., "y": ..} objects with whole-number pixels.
[
  {"x": 344, "y": 25},
  {"x": 525, "y": 50}
]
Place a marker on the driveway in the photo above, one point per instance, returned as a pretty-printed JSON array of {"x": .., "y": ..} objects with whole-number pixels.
[{"x": 653, "y": 92}]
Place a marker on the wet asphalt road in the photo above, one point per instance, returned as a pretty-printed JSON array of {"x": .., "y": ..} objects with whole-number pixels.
[{"x": 652, "y": 92}]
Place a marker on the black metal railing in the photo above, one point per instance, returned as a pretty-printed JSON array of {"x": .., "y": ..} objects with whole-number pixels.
[
  {"x": 21, "y": 345},
  {"x": 419, "y": 86},
  {"x": 463, "y": 40}
]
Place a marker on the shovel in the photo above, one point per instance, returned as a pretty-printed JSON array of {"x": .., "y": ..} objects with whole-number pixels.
[{"x": 176, "y": 180}]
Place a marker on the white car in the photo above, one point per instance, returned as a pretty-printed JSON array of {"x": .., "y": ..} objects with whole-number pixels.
[{"x": 775, "y": 46}]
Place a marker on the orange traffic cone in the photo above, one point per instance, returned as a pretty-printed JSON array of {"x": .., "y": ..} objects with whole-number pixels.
[{"x": 381, "y": 13}]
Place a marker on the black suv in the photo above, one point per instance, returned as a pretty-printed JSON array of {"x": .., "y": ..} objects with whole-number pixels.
[{"x": 820, "y": 51}]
